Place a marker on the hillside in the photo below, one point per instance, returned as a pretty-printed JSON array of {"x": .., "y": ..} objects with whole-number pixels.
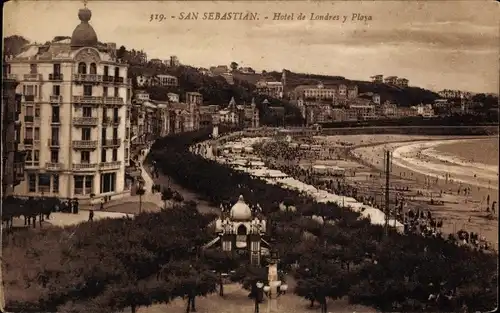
[{"x": 403, "y": 96}]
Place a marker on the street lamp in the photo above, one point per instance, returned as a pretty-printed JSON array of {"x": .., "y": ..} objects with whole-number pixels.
[{"x": 273, "y": 291}]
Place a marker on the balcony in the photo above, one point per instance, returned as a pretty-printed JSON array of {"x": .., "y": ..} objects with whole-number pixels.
[
  {"x": 87, "y": 100},
  {"x": 110, "y": 165},
  {"x": 85, "y": 121},
  {"x": 111, "y": 121},
  {"x": 55, "y": 119},
  {"x": 88, "y": 78},
  {"x": 53, "y": 143},
  {"x": 112, "y": 143},
  {"x": 50, "y": 166},
  {"x": 84, "y": 144},
  {"x": 29, "y": 98},
  {"x": 31, "y": 165},
  {"x": 56, "y": 77},
  {"x": 10, "y": 76},
  {"x": 29, "y": 118},
  {"x": 55, "y": 99},
  {"x": 108, "y": 79},
  {"x": 113, "y": 101},
  {"x": 85, "y": 167},
  {"x": 119, "y": 80},
  {"x": 28, "y": 142},
  {"x": 33, "y": 77}
]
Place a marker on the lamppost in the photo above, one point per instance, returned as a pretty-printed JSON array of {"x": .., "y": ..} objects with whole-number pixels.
[{"x": 273, "y": 291}]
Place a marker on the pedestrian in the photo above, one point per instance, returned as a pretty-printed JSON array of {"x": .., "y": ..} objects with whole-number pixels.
[
  {"x": 91, "y": 215},
  {"x": 102, "y": 205}
]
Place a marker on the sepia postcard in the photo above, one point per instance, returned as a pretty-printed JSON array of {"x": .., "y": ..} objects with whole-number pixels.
[{"x": 249, "y": 156}]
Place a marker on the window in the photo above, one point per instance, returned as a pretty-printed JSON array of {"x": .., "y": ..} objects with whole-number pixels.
[
  {"x": 87, "y": 90},
  {"x": 37, "y": 133},
  {"x": 55, "y": 133},
  {"x": 104, "y": 91},
  {"x": 103, "y": 155},
  {"x": 115, "y": 155},
  {"x": 44, "y": 182},
  {"x": 54, "y": 156},
  {"x": 56, "y": 69},
  {"x": 116, "y": 92},
  {"x": 30, "y": 90},
  {"x": 117, "y": 71},
  {"x": 108, "y": 182},
  {"x": 128, "y": 114},
  {"x": 29, "y": 110},
  {"x": 82, "y": 68},
  {"x": 85, "y": 133},
  {"x": 104, "y": 113},
  {"x": 103, "y": 134},
  {"x": 127, "y": 133},
  {"x": 31, "y": 183},
  {"x": 128, "y": 95},
  {"x": 33, "y": 69},
  {"x": 56, "y": 90},
  {"x": 93, "y": 68},
  {"x": 85, "y": 157},
  {"x": 115, "y": 133},
  {"x": 78, "y": 187},
  {"x": 55, "y": 183},
  {"x": 37, "y": 112},
  {"x": 88, "y": 184},
  {"x": 106, "y": 70},
  {"x": 126, "y": 154},
  {"x": 28, "y": 133},
  {"x": 87, "y": 111}
]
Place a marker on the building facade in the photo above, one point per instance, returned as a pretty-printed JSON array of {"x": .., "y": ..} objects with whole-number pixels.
[
  {"x": 12, "y": 158},
  {"x": 271, "y": 89},
  {"x": 75, "y": 107}
]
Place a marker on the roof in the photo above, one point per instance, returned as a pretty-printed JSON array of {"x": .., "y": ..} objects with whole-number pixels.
[
  {"x": 84, "y": 35},
  {"x": 241, "y": 211}
]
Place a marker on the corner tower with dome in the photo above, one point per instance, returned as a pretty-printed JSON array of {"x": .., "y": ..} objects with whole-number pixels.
[
  {"x": 241, "y": 230},
  {"x": 75, "y": 115}
]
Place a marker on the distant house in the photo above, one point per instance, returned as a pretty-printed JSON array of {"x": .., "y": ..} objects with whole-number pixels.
[
  {"x": 166, "y": 80},
  {"x": 402, "y": 82},
  {"x": 219, "y": 70},
  {"x": 173, "y": 97},
  {"x": 379, "y": 79},
  {"x": 270, "y": 88},
  {"x": 246, "y": 70},
  {"x": 141, "y": 96},
  {"x": 143, "y": 80},
  {"x": 391, "y": 80},
  {"x": 156, "y": 62}
]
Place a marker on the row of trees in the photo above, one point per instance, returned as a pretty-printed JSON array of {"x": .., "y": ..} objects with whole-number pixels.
[{"x": 339, "y": 254}]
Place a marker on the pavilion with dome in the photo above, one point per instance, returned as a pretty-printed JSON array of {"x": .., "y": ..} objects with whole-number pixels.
[{"x": 241, "y": 231}]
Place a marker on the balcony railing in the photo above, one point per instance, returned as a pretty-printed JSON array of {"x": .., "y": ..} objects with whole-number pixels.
[
  {"x": 87, "y": 100},
  {"x": 85, "y": 121},
  {"x": 56, "y": 77},
  {"x": 111, "y": 120},
  {"x": 29, "y": 98},
  {"x": 108, "y": 79},
  {"x": 85, "y": 167},
  {"x": 31, "y": 165},
  {"x": 50, "y": 166},
  {"x": 110, "y": 165},
  {"x": 111, "y": 142},
  {"x": 113, "y": 100},
  {"x": 88, "y": 78},
  {"x": 85, "y": 144},
  {"x": 33, "y": 77},
  {"x": 10, "y": 76},
  {"x": 53, "y": 143},
  {"x": 28, "y": 142},
  {"x": 55, "y": 99},
  {"x": 29, "y": 118}
]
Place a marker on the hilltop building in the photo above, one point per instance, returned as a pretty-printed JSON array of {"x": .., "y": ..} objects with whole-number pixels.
[
  {"x": 270, "y": 88},
  {"x": 241, "y": 115},
  {"x": 75, "y": 107},
  {"x": 378, "y": 79}
]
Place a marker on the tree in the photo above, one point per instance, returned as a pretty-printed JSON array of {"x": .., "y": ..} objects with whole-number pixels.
[
  {"x": 166, "y": 195},
  {"x": 221, "y": 262},
  {"x": 121, "y": 52},
  {"x": 234, "y": 66},
  {"x": 13, "y": 45}
]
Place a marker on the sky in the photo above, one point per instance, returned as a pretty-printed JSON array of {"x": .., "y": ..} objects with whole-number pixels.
[{"x": 435, "y": 44}]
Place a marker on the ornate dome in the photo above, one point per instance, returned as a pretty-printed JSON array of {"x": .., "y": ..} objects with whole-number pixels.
[
  {"x": 241, "y": 211},
  {"x": 84, "y": 35}
]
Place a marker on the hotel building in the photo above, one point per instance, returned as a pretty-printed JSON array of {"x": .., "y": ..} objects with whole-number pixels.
[{"x": 75, "y": 114}]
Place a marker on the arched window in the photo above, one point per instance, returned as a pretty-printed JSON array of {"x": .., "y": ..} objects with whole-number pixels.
[
  {"x": 82, "y": 68},
  {"x": 93, "y": 68},
  {"x": 242, "y": 230},
  {"x": 117, "y": 71}
]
